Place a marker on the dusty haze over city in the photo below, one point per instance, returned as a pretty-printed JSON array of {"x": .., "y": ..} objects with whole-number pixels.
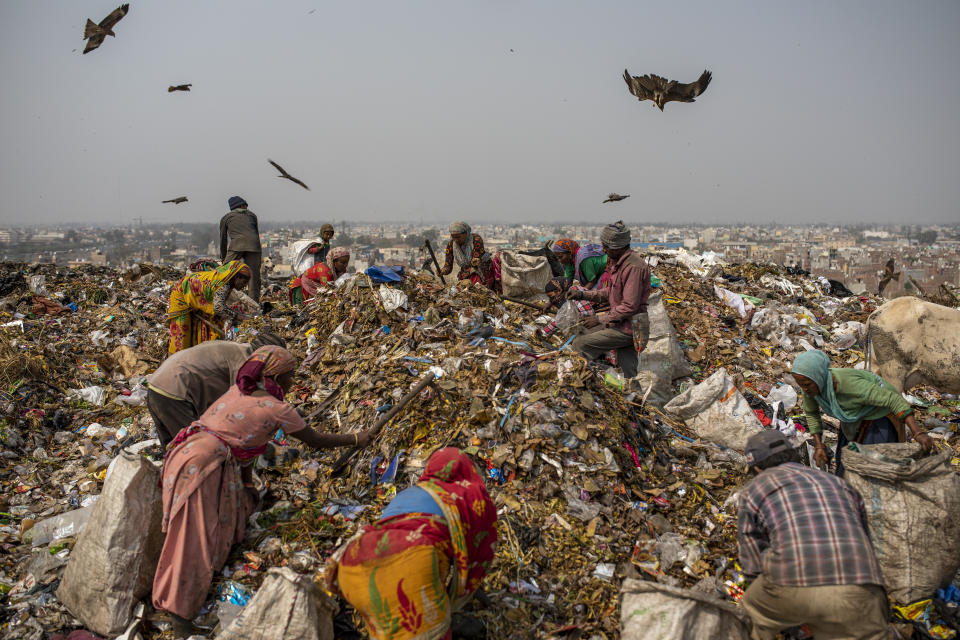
[{"x": 492, "y": 111}]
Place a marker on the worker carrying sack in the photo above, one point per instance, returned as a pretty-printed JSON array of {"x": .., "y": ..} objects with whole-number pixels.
[
  {"x": 912, "y": 504},
  {"x": 112, "y": 565}
]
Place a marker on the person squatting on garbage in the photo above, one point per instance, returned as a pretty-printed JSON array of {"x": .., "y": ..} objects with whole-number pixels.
[
  {"x": 207, "y": 478},
  {"x": 422, "y": 560},
  {"x": 869, "y": 408},
  {"x": 188, "y": 382},
  {"x": 320, "y": 274},
  {"x": 199, "y": 301},
  {"x": 240, "y": 240},
  {"x": 803, "y": 539},
  {"x": 625, "y": 326},
  {"x": 466, "y": 250},
  {"x": 587, "y": 265}
]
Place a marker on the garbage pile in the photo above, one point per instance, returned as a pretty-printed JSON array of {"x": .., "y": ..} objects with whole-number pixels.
[{"x": 594, "y": 481}]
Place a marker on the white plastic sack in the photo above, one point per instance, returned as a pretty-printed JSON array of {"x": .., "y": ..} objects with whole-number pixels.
[
  {"x": 783, "y": 393},
  {"x": 652, "y": 611},
  {"x": 113, "y": 563},
  {"x": 392, "y": 299},
  {"x": 716, "y": 411},
  {"x": 663, "y": 361},
  {"x": 523, "y": 276},
  {"x": 912, "y": 504},
  {"x": 849, "y": 334},
  {"x": 94, "y": 395},
  {"x": 734, "y": 300},
  {"x": 300, "y": 260},
  {"x": 287, "y": 606}
]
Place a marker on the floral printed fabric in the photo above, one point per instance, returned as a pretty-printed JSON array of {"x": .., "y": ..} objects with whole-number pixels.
[
  {"x": 407, "y": 574},
  {"x": 194, "y": 294}
]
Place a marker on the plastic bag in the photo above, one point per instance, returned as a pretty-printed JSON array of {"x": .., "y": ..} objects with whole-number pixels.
[
  {"x": 651, "y": 611},
  {"x": 523, "y": 276},
  {"x": 113, "y": 563},
  {"x": 783, "y": 393},
  {"x": 567, "y": 316},
  {"x": 717, "y": 411},
  {"x": 392, "y": 299},
  {"x": 94, "y": 395}
]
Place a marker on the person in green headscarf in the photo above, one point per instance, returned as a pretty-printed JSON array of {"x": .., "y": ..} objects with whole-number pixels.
[{"x": 869, "y": 408}]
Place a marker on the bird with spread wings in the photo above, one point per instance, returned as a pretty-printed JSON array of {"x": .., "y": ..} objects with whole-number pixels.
[
  {"x": 888, "y": 275},
  {"x": 179, "y": 87},
  {"x": 661, "y": 91},
  {"x": 616, "y": 197},
  {"x": 95, "y": 33},
  {"x": 284, "y": 174},
  {"x": 177, "y": 200}
]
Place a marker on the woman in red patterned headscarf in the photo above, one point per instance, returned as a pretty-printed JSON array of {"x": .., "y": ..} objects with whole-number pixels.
[
  {"x": 408, "y": 572},
  {"x": 208, "y": 490}
]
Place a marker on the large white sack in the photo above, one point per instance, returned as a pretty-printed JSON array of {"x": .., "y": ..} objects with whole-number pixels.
[
  {"x": 652, "y": 611},
  {"x": 523, "y": 276},
  {"x": 663, "y": 361},
  {"x": 716, "y": 411},
  {"x": 113, "y": 563},
  {"x": 287, "y": 606},
  {"x": 912, "y": 505}
]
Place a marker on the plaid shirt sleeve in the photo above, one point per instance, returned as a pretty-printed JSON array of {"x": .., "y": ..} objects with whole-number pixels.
[
  {"x": 585, "y": 309},
  {"x": 751, "y": 536}
]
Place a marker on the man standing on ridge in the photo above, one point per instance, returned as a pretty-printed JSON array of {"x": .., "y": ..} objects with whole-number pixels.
[{"x": 240, "y": 240}]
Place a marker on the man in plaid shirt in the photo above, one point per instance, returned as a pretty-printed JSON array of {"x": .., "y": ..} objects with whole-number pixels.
[{"x": 803, "y": 534}]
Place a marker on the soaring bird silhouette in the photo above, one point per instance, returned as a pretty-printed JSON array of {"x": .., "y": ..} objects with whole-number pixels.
[
  {"x": 176, "y": 200},
  {"x": 95, "y": 33},
  {"x": 179, "y": 87},
  {"x": 662, "y": 91},
  {"x": 888, "y": 275},
  {"x": 616, "y": 197},
  {"x": 284, "y": 174}
]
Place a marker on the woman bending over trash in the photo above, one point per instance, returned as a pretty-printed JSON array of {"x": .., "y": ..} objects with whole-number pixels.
[
  {"x": 587, "y": 265},
  {"x": 208, "y": 490},
  {"x": 199, "y": 300},
  {"x": 869, "y": 409},
  {"x": 466, "y": 250},
  {"x": 319, "y": 275},
  {"x": 422, "y": 560}
]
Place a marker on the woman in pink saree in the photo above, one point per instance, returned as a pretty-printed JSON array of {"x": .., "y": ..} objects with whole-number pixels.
[{"x": 208, "y": 490}]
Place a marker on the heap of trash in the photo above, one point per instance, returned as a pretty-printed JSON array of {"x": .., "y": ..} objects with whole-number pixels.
[{"x": 603, "y": 485}]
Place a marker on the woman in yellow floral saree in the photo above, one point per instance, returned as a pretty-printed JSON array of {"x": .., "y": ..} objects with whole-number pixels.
[
  {"x": 408, "y": 572},
  {"x": 203, "y": 296}
]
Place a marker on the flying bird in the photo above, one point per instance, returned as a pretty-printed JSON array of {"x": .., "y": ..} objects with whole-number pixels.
[
  {"x": 662, "y": 91},
  {"x": 95, "y": 33},
  {"x": 179, "y": 87},
  {"x": 888, "y": 275},
  {"x": 284, "y": 174},
  {"x": 176, "y": 200},
  {"x": 616, "y": 197}
]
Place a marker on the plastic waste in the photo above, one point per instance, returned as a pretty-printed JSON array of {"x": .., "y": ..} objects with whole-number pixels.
[{"x": 65, "y": 525}]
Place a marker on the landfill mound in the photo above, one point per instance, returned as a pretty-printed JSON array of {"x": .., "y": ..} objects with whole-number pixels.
[{"x": 593, "y": 482}]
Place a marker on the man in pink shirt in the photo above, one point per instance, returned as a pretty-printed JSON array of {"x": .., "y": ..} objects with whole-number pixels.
[{"x": 625, "y": 327}]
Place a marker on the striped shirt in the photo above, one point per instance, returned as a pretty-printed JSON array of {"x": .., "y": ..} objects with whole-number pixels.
[{"x": 801, "y": 527}]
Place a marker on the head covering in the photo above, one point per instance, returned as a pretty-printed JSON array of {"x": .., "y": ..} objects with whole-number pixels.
[
  {"x": 267, "y": 338},
  {"x": 764, "y": 444},
  {"x": 556, "y": 289},
  {"x": 566, "y": 245},
  {"x": 616, "y": 235},
  {"x": 326, "y": 227},
  {"x": 459, "y": 227},
  {"x": 236, "y": 202},
  {"x": 815, "y": 364},
  {"x": 264, "y": 366},
  {"x": 335, "y": 253},
  {"x": 453, "y": 482}
]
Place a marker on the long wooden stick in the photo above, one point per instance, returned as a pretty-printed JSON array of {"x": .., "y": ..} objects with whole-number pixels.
[
  {"x": 384, "y": 419},
  {"x": 426, "y": 242},
  {"x": 523, "y": 302}
]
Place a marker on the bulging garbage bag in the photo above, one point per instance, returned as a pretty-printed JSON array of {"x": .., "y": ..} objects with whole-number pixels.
[
  {"x": 523, "y": 276},
  {"x": 113, "y": 563},
  {"x": 650, "y": 611},
  {"x": 717, "y": 411},
  {"x": 287, "y": 606},
  {"x": 912, "y": 504}
]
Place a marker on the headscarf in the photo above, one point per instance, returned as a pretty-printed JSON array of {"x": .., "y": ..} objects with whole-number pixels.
[
  {"x": 265, "y": 365},
  {"x": 566, "y": 245},
  {"x": 334, "y": 254},
  {"x": 463, "y": 254},
  {"x": 815, "y": 364},
  {"x": 236, "y": 202},
  {"x": 326, "y": 227},
  {"x": 556, "y": 289},
  {"x": 453, "y": 482},
  {"x": 616, "y": 235}
]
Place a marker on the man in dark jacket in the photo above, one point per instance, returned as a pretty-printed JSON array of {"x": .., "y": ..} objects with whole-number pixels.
[{"x": 240, "y": 240}]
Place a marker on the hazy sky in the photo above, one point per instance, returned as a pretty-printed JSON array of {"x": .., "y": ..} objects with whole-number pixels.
[{"x": 818, "y": 111}]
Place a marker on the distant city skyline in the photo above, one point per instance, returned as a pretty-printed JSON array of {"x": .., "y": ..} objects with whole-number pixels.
[{"x": 822, "y": 112}]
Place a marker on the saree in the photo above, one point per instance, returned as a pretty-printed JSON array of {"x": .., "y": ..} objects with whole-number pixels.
[
  {"x": 305, "y": 287},
  {"x": 192, "y": 299},
  {"x": 407, "y": 574}
]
